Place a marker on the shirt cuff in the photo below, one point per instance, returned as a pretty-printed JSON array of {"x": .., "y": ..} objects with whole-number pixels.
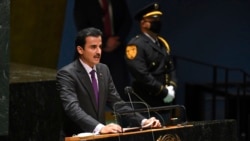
[
  {"x": 143, "y": 121},
  {"x": 98, "y": 128}
]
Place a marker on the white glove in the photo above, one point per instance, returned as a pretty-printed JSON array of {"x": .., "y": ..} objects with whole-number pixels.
[{"x": 171, "y": 94}]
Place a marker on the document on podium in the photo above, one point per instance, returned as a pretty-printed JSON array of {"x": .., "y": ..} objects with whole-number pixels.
[
  {"x": 147, "y": 126},
  {"x": 84, "y": 134}
]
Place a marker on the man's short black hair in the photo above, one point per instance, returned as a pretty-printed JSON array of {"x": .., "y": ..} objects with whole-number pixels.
[{"x": 82, "y": 34}]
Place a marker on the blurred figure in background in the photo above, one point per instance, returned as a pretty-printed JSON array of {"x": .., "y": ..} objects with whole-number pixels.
[{"x": 113, "y": 18}]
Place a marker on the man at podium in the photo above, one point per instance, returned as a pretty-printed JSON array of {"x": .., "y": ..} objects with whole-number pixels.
[{"x": 85, "y": 87}]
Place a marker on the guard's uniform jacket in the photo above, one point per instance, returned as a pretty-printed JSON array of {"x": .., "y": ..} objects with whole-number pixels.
[{"x": 151, "y": 67}]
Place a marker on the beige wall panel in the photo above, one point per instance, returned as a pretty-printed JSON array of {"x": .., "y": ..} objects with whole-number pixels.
[{"x": 36, "y": 30}]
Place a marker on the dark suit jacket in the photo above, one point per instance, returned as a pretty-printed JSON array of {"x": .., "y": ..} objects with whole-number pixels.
[{"x": 78, "y": 98}]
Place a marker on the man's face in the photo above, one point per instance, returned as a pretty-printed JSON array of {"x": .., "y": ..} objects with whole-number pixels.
[
  {"x": 91, "y": 52},
  {"x": 152, "y": 24}
]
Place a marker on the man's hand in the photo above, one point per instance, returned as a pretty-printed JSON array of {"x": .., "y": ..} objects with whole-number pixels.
[
  {"x": 171, "y": 94},
  {"x": 112, "y": 43},
  {"x": 153, "y": 121},
  {"x": 111, "y": 128}
]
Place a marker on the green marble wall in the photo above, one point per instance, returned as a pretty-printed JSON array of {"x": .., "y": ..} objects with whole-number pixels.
[
  {"x": 4, "y": 65},
  {"x": 34, "y": 107}
]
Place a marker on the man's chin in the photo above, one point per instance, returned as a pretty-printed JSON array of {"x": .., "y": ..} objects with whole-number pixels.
[{"x": 97, "y": 61}]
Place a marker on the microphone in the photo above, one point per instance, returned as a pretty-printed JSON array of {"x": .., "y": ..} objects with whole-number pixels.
[{"x": 129, "y": 90}]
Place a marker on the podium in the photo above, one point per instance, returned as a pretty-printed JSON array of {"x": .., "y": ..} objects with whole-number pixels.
[
  {"x": 141, "y": 135},
  {"x": 216, "y": 130},
  {"x": 174, "y": 130}
]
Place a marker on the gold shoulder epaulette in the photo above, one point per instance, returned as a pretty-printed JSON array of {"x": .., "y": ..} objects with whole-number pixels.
[{"x": 165, "y": 43}]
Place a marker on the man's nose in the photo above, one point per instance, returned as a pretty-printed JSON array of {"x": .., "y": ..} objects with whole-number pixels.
[{"x": 99, "y": 49}]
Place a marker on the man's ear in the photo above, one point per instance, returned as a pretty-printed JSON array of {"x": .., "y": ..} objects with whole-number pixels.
[{"x": 79, "y": 49}]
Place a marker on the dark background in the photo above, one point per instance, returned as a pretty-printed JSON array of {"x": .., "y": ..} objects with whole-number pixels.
[
  {"x": 211, "y": 31},
  {"x": 41, "y": 33}
]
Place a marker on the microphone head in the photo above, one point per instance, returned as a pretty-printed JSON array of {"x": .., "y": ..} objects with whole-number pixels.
[{"x": 128, "y": 89}]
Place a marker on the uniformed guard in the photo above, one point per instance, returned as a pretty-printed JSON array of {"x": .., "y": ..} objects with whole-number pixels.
[{"x": 149, "y": 61}]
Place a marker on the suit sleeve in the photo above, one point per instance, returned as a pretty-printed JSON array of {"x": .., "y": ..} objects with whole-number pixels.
[{"x": 115, "y": 102}]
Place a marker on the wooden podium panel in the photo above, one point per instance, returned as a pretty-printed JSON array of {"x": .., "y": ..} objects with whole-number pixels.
[
  {"x": 218, "y": 130},
  {"x": 147, "y": 134}
]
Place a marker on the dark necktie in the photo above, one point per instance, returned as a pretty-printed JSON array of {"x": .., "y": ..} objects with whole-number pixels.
[
  {"x": 157, "y": 43},
  {"x": 94, "y": 85}
]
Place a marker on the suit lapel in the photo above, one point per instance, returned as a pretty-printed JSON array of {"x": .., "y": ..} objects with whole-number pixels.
[
  {"x": 86, "y": 82},
  {"x": 101, "y": 86}
]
